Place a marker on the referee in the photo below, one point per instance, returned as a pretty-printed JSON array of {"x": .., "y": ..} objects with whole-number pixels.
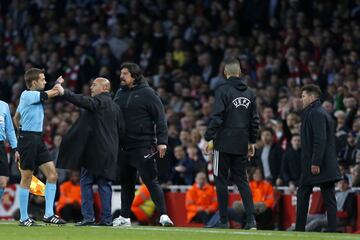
[
  {"x": 233, "y": 127},
  {"x": 6, "y": 132},
  {"x": 29, "y": 117}
]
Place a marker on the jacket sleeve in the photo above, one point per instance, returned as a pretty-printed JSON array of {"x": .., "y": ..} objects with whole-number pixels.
[
  {"x": 217, "y": 116},
  {"x": 121, "y": 122},
  {"x": 254, "y": 123},
  {"x": 269, "y": 196},
  {"x": 89, "y": 103},
  {"x": 190, "y": 203},
  {"x": 319, "y": 133},
  {"x": 157, "y": 112},
  {"x": 284, "y": 169},
  {"x": 214, "y": 203},
  {"x": 117, "y": 96},
  {"x": 9, "y": 128}
]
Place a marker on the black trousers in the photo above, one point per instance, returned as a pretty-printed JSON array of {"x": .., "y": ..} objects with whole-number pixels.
[
  {"x": 71, "y": 212},
  {"x": 223, "y": 162},
  {"x": 131, "y": 162},
  {"x": 303, "y": 196}
]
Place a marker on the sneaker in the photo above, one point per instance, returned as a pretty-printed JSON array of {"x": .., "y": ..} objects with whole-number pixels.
[
  {"x": 219, "y": 224},
  {"x": 85, "y": 223},
  {"x": 166, "y": 221},
  {"x": 54, "y": 219},
  {"x": 250, "y": 226},
  {"x": 121, "y": 222},
  {"x": 104, "y": 224},
  {"x": 28, "y": 223}
]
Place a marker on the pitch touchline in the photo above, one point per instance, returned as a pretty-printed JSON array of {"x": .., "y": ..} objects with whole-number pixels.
[{"x": 281, "y": 234}]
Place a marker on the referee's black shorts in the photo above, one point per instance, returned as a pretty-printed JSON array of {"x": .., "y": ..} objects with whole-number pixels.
[
  {"x": 32, "y": 149},
  {"x": 4, "y": 164}
]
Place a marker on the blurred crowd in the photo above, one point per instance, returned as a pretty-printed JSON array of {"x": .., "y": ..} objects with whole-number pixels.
[{"x": 181, "y": 46}]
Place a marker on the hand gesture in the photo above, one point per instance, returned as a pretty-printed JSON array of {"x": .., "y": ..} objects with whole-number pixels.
[
  {"x": 208, "y": 147},
  {"x": 315, "y": 170},
  {"x": 251, "y": 150},
  {"x": 17, "y": 156},
  {"x": 162, "y": 150}
]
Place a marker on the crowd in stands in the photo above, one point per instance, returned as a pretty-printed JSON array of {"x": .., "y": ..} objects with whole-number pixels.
[{"x": 181, "y": 46}]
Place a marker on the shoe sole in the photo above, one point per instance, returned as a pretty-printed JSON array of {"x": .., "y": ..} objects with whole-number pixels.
[
  {"x": 167, "y": 225},
  {"x": 120, "y": 225}
]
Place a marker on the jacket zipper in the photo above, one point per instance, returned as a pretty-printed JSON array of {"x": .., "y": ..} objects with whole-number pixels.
[{"x": 128, "y": 100}]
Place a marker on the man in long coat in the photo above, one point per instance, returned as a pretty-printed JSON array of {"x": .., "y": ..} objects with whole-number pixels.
[
  {"x": 92, "y": 145},
  {"x": 318, "y": 158}
]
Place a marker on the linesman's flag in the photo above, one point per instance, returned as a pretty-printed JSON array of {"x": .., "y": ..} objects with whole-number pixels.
[{"x": 37, "y": 187}]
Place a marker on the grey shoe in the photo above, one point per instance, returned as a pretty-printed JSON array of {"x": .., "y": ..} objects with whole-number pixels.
[{"x": 220, "y": 225}]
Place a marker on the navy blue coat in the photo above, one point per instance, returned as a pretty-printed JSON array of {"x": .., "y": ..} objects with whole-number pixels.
[{"x": 318, "y": 146}]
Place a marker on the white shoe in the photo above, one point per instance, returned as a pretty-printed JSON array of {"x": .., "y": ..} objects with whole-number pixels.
[
  {"x": 122, "y": 222},
  {"x": 166, "y": 221}
]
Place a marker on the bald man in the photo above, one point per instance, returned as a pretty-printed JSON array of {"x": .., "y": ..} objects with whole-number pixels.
[
  {"x": 91, "y": 146},
  {"x": 231, "y": 135}
]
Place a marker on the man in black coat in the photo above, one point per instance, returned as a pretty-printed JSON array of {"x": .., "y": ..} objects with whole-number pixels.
[
  {"x": 318, "y": 158},
  {"x": 92, "y": 144},
  {"x": 233, "y": 127},
  {"x": 146, "y": 127}
]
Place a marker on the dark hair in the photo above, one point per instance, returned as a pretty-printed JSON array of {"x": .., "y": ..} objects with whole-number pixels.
[
  {"x": 295, "y": 135},
  {"x": 268, "y": 129},
  {"x": 312, "y": 89},
  {"x": 32, "y": 75},
  {"x": 135, "y": 71},
  {"x": 345, "y": 178}
]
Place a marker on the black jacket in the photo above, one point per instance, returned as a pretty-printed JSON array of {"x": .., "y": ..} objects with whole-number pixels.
[
  {"x": 235, "y": 121},
  {"x": 144, "y": 117},
  {"x": 93, "y": 141},
  {"x": 318, "y": 146},
  {"x": 275, "y": 157},
  {"x": 291, "y": 166}
]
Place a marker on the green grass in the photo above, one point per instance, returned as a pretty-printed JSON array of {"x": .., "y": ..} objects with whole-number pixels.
[{"x": 10, "y": 231}]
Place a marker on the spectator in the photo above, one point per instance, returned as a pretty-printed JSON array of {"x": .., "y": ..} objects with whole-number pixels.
[
  {"x": 269, "y": 156},
  {"x": 69, "y": 203},
  {"x": 291, "y": 164},
  {"x": 263, "y": 197},
  {"x": 201, "y": 202}
]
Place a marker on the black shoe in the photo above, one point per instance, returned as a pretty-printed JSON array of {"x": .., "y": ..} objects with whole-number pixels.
[
  {"x": 54, "y": 219},
  {"x": 28, "y": 223},
  {"x": 104, "y": 224},
  {"x": 85, "y": 223},
  {"x": 220, "y": 225},
  {"x": 250, "y": 226}
]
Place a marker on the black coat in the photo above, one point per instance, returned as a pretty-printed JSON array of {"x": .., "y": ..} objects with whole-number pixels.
[
  {"x": 318, "y": 146},
  {"x": 234, "y": 122},
  {"x": 93, "y": 141},
  {"x": 144, "y": 117},
  {"x": 291, "y": 166}
]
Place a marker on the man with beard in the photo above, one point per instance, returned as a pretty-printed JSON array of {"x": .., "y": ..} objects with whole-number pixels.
[{"x": 146, "y": 127}]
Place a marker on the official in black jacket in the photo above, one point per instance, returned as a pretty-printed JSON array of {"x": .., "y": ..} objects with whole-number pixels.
[
  {"x": 146, "y": 127},
  {"x": 92, "y": 145},
  {"x": 318, "y": 158},
  {"x": 233, "y": 128}
]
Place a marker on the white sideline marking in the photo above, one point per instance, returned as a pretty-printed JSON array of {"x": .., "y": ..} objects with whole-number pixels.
[{"x": 247, "y": 232}]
